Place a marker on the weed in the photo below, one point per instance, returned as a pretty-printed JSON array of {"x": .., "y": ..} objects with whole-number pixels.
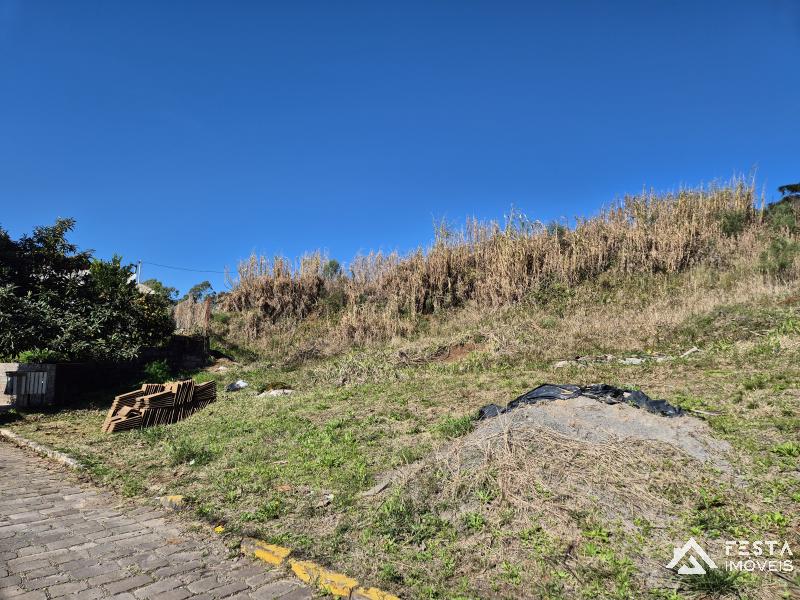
[
  {"x": 538, "y": 540},
  {"x": 790, "y": 448},
  {"x": 597, "y": 532},
  {"x": 511, "y": 572},
  {"x": 390, "y": 574},
  {"x": 486, "y": 493},
  {"x": 185, "y": 450},
  {"x": 717, "y": 582},
  {"x": 271, "y": 509},
  {"x": 489, "y": 264},
  {"x": 474, "y": 521},
  {"x": 712, "y": 516},
  {"x": 153, "y": 435},
  {"x": 399, "y": 518},
  {"x": 453, "y": 427}
]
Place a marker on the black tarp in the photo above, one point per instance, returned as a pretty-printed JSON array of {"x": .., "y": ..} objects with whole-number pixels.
[{"x": 599, "y": 391}]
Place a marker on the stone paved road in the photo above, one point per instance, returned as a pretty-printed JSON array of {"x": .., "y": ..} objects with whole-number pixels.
[{"x": 60, "y": 538}]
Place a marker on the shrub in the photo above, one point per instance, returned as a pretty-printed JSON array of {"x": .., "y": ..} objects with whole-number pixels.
[
  {"x": 156, "y": 372},
  {"x": 57, "y": 301},
  {"x": 734, "y": 222},
  {"x": 782, "y": 217},
  {"x": 777, "y": 260},
  {"x": 38, "y": 355}
]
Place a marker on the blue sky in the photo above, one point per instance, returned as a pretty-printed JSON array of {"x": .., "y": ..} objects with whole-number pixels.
[{"x": 192, "y": 133}]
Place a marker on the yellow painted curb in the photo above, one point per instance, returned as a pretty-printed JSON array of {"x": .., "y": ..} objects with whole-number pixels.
[
  {"x": 336, "y": 583},
  {"x": 269, "y": 553},
  {"x": 371, "y": 594},
  {"x": 173, "y": 502},
  {"x": 306, "y": 571},
  {"x": 329, "y": 581},
  {"x": 313, "y": 574}
]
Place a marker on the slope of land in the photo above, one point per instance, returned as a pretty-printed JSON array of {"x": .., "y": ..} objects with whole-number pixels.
[{"x": 464, "y": 512}]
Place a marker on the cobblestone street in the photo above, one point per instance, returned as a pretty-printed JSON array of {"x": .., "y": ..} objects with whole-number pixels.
[{"x": 60, "y": 537}]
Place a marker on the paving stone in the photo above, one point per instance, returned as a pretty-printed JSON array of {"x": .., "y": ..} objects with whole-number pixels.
[
  {"x": 298, "y": 594},
  {"x": 159, "y": 587},
  {"x": 44, "y": 582},
  {"x": 68, "y": 589},
  {"x": 229, "y": 589},
  {"x": 177, "y": 594},
  {"x": 60, "y": 539},
  {"x": 10, "y": 580},
  {"x": 276, "y": 589},
  {"x": 129, "y": 583},
  {"x": 37, "y": 595},
  {"x": 44, "y": 572},
  {"x": 205, "y": 584},
  {"x": 109, "y": 577}
]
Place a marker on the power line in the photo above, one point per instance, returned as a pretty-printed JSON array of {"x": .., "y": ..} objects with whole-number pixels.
[{"x": 144, "y": 262}]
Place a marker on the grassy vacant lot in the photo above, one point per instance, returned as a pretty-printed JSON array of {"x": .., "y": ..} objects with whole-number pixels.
[
  {"x": 391, "y": 362},
  {"x": 268, "y": 466}
]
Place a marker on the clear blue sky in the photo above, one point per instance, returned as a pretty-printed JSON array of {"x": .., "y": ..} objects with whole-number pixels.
[{"x": 191, "y": 133}]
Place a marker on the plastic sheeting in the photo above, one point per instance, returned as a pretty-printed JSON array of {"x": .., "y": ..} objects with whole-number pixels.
[{"x": 600, "y": 392}]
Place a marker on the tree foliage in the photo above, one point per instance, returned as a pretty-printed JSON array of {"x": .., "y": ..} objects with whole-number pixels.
[
  {"x": 331, "y": 269},
  {"x": 169, "y": 293},
  {"x": 63, "y": 304},
  {"x": 201, "y": 291},
  {"x": 790, "y": 189}
]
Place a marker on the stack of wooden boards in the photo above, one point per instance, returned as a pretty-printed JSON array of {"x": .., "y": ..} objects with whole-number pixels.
[{"x": 158, "y": 404}]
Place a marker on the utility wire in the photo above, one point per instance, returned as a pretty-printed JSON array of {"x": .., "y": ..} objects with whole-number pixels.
[{"x": 144, "y": 262}]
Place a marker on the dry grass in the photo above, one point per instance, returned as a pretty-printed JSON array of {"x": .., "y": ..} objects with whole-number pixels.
[
  {"x": 512, "y": 502},
  {"x": 192, "y": 316},
  {"x": 491, "y": 265}
]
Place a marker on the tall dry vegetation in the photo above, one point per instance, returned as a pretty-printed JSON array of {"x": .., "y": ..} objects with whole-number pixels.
[{"x": 491, "y": 265}]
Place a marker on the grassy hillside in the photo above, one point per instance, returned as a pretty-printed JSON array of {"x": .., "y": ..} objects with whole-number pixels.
[{"x": 391, "y": 361}]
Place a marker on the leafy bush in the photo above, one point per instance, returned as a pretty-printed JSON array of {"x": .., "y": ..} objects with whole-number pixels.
[
  {"x": 57, "y": 302},
  {"x": 782, "y": 217},
  {"x": 734, "y": 222},
  {"x": 778, "y": 259},
  {"x": 38, "y": 355},
  {"x": 157, "y": 371}
]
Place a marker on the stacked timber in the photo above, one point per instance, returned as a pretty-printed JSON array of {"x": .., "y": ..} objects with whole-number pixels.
[{"x": 158, "y": 404}]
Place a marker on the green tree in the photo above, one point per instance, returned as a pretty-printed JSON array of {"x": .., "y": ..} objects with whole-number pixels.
[
  {"x": 59, "y": 302},
  {"x": 200, "y": 291},
  {"x": 169, "y": 293},
  {"x": 790, "y": 190},
  {"x": 331, "y": 269}
]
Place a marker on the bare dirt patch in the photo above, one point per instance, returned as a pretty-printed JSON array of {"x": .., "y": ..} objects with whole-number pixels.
[{"x": 587, "y": 420}]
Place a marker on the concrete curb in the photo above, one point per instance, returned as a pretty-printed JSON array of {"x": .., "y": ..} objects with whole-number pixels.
[{"x": 55, "y": 455}]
